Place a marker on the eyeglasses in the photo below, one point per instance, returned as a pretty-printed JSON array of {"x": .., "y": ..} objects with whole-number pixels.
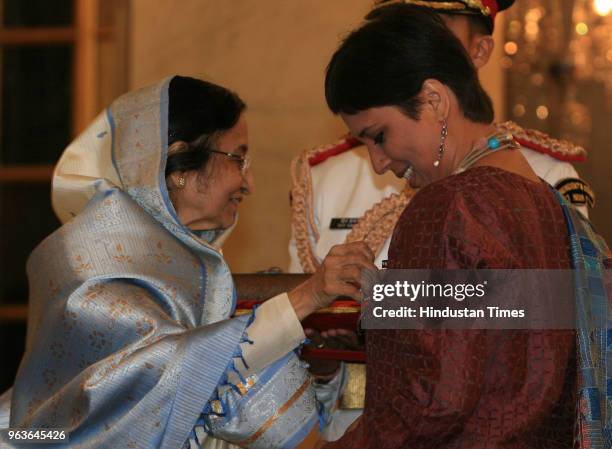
[{"x": 244, "y": 161}]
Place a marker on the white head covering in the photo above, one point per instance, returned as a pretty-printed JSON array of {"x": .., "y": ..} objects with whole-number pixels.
[{"x": 86, "y": 162}]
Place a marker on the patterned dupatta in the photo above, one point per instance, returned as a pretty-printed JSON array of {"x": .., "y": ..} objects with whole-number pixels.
[{"x": 593, "y": 283}]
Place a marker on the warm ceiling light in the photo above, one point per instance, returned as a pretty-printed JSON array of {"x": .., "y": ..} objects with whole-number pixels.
[
  {"x": 511, "y": 48},
  {"x": 602, "y": 7},
  {"x": 582, "y": 28},
  {"x": 542, "y": 112}
]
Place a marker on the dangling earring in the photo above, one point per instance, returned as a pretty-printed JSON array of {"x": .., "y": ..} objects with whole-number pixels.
[
  {"x": 181, "y": 182},
  {"x": 442, "y": 147},
  {"x": 408, "y": 173}
]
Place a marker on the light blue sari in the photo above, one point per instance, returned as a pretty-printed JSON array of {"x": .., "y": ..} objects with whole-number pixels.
[{"x": 130, "y": 342}]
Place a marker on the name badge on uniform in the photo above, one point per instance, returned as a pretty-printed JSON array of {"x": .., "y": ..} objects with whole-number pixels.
[{"x": 343, "y": 223}]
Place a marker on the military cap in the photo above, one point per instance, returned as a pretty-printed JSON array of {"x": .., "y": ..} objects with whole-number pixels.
[{"x": 485, "y": 9}]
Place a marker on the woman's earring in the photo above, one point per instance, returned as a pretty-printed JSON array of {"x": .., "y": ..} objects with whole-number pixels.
[
  {"x": 442, "y": 147},
  {"x": 181, "y": 182}
]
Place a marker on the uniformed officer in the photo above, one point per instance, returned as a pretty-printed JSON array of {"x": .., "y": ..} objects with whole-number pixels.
[{"x": 337, "y": 196}]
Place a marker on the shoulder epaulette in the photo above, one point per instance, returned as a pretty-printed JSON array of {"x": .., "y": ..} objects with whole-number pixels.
[
  {"x": 320, "y": 154},
  {"x": 543, "y": 143}
]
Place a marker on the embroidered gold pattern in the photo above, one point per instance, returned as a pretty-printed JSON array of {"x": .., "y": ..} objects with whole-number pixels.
[
  {"x": 244, "y": 387},
  {"x": 83, "y": 265},
  {"x": 270, "y": 421},
  {"x": 162, "y": 257},
  {"x": 378, "y": 222},
  {"x": 354, "y": 392},
  {"x": 216, "y": 406},
  {"x": 448, "y": 6},
  {"x": 477, "y": 4},
  {"x": 374, "y": 227},
  {"x": 120, "y": 257},
  {"x": 555, "y": 146}
]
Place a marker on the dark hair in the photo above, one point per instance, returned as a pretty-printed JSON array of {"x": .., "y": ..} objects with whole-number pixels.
[
  {"x": 386, "y": 60},
  {"x": 198, "y": 112},
  {"x": 477, "y": 23}
]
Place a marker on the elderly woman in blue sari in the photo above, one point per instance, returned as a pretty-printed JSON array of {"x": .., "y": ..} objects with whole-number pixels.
[{"x": 130, "y": 341}]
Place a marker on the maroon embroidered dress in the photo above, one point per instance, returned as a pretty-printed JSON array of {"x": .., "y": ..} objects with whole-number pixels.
[{"x": 472, "y": 388}]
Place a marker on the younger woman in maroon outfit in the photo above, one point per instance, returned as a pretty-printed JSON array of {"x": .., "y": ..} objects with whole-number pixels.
[{"x": 413, "y": 98}]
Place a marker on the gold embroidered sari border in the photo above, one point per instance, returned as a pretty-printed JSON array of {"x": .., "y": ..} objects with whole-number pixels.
[{"x": 270, "y": 421}]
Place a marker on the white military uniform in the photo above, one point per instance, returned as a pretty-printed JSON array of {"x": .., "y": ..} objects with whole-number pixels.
[{"x": 330, "y": 196}]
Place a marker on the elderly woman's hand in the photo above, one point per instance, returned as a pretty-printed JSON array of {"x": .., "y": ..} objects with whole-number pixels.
[{"x": 338, "y": 275}]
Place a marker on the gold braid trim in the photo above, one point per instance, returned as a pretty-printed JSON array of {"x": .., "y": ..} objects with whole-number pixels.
[
  {"x": 302, "y": 208},
  {"x": 447, "y": 6},
  {"x": 477, "y": 4},
  {"x": 374, "y": 227},
  {"x": 556, "y": 146},
  {"x": 378, "y": 222},
  {"x": 301, "y": 212}
]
